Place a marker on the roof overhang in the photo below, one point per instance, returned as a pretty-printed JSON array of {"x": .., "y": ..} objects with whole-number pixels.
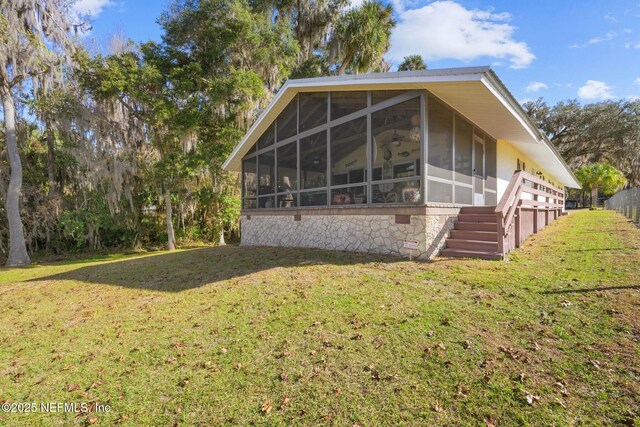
[{"x": 475, "y": 92}]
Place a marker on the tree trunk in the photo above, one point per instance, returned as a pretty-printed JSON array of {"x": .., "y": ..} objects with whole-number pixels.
[
  {"x": 51, "y": 159},
  {"x": 17, "y": 249},
  {"x": 221, "y": 223},
  {"x": 221, "y": 241},
  {"x": 171, "y": 238},
  {"x": 345, "y": 64},
  {"x": 594, "y": 197}
]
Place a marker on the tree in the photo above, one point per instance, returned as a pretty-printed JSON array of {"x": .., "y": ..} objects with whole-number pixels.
[
  {"x": 607, "y": 132},
  {"x": 311, "y": 21},
  {"x": 600, "y": 177},
  {"x": 33, "y": 34},
  {"x": 412, "y": 63},
  {"x": 361, "y": 37}
]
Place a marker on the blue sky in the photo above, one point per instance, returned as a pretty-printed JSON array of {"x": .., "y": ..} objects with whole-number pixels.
[{"x": 588, "y": 50}]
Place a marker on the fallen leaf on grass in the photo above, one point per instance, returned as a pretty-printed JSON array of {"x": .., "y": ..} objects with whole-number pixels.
[
  {"x": 379, "y": 341},
  {"x": 122, "y": 419},
  {"x": 284, "y": 403},
  {"x": 531, "y": 398},
  {"x": 72, "y": 387},
  {"x": 266, "y": 407}
]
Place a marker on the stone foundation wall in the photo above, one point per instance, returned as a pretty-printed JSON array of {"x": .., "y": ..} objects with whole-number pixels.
[{"x": 381, "y": 234}]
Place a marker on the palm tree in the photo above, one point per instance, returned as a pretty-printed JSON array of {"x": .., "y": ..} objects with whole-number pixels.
[
  {"x": 412, "y": 63},
  {"x": 361, "y": 37},
  {"x": 600, "y": 177}
]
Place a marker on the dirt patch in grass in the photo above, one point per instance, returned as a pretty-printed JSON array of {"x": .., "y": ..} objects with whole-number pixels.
[{"x": 279, "y": 336}]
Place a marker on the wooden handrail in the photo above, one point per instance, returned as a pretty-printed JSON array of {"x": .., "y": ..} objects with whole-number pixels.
[{"x": 512, "y": 199}]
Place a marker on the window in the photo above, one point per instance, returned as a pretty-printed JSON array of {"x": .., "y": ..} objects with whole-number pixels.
[
  {"x": 439, "y": 192},
  {"x": 382, "y": 95},
  {"x": 313, "y": 198},
  {"x": 490, "y": 162},
  {"x": 249, "y": 204},
  {"x": 464, "y": 195},
  {"x": 349, "y": 152},
  {"x": 396, "y": 192},
  {"x": 266, "y": 173},
  {"x": 355, "y": 195},
  {"x": 287, "y": 175},
  {"x": 313, "y": 110},
  {"x": 464, "y": 147},
  {"x": 396, "y": 136},
  {"x": 287, "y": 122},
  {"x": 440, "y": 148},
  {"x": 313, "y": 161},
  {"x": 344, "y": 103},
  {"x": 288, "y": 167},
  {"x": 267, "y": 138},
  {"x": 249, "y": 177}
]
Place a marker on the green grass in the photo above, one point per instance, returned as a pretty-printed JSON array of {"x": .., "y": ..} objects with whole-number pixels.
[{"x": 210, "y": 336}]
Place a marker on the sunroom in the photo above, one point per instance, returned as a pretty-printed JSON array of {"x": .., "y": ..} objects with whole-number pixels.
[
  {"x": 392, "y": 162},
  {"x": 368, "y": 148}
]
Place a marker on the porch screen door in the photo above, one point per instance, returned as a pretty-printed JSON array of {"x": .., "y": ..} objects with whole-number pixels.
[{"x": 478, "y": 172}]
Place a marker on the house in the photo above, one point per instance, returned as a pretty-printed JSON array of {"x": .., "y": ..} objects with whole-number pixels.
[{"x": 445, "y": 158}]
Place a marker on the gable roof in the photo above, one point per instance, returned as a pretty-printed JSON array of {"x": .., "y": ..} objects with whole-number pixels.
[{"x": 475, "y": 92}]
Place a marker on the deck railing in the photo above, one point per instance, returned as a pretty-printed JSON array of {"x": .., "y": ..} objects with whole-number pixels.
[{"x": 528, "y": 204}]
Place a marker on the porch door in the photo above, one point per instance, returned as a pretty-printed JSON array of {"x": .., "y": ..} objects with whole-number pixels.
[{"x": 478, "y": 171}]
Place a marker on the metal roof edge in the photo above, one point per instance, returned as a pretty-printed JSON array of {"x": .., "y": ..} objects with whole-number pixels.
[{"x": 542, "y": 138}]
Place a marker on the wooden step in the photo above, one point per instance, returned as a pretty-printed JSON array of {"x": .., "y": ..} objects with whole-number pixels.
[
  {"x": 478, "y": 210},
  {"x": 459, "y": 253},
  {"x": 487, "y": 236},
  {"x": 472, "y": 245},
  {"x": 475, "y": 226},
  {"x": 478, "y": 218}
]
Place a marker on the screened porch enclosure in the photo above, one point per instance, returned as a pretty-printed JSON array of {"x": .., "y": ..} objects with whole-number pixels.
[{"x": 369, "y": 148}]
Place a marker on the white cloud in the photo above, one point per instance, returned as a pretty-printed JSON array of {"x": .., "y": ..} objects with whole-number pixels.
[
  {"x": 91, "y": 8},
  {"x": 637, "y": 81},
  {"x": 609, "y": 36},
  {"x": 595, "y": 40},
  {"x": 446, "y": 30},
  {"x": 535, "y": 87},
  {"x": 594, "y": 89}
]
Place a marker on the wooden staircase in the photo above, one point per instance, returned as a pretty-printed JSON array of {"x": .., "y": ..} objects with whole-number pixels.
[
  {"x": 475, "y": 234},
  {"x": 528, "y": 204}
]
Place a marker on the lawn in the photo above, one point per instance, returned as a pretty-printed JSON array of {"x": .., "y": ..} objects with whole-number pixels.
[{"x": 275, "y": 336}]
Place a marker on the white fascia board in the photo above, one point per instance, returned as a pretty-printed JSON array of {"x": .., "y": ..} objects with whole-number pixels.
[{"x": 561, "y": 169}]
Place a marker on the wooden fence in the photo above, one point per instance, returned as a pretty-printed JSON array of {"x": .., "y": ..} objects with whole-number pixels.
[{"x": 626, "y": 202}]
